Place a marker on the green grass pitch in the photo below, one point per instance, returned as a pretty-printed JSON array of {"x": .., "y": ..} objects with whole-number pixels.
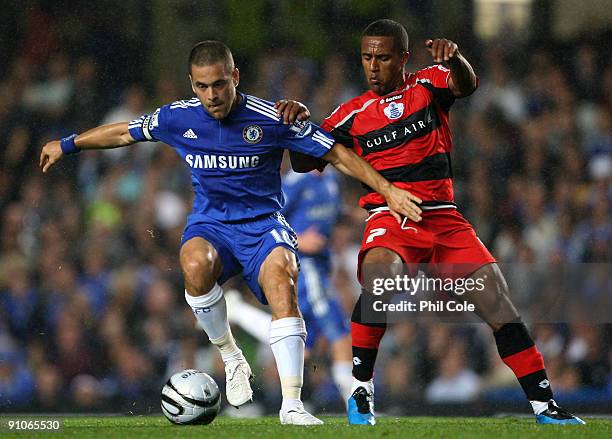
[{"x": 335, "y": 427}]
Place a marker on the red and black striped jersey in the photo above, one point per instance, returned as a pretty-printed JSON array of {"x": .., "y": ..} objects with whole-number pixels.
[{"x": 404, "y": 135}]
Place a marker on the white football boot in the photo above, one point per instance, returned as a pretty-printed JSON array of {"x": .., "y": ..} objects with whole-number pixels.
[
  {"x": 237, "y": 382},
  {"x": 298, "y": 416}
]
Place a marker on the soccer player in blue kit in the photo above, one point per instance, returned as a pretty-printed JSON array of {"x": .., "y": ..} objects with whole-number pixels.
[{"x": 233, "y": 144}]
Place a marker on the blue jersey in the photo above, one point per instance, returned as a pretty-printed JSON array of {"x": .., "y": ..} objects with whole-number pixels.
[
  {"x": 313, "y": 200},
  {"x": 234, "y": 162}
]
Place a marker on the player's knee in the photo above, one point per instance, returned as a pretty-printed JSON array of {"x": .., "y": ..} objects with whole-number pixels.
[
  {"x": 378, "y": 264},
  {"x": 493, "y": 279},
  {"x": 282, "y": 267},
  {"x": 278, "y": 279},
  {"x": 198, "y": 271},
  {"x": 283, "y": 292},
  {"x": 288, "y": 264},
  {"x": 291, "y": 271}
]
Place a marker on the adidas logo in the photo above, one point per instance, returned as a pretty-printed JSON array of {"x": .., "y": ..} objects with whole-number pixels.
[
  {"x": 190, "y": 134},
  {"x": 544, "y": 384}
]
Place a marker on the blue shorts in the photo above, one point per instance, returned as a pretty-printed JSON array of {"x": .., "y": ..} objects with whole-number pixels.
[
  {"x": 322, "y": 313},
  {"x": 243, "y": 247}
]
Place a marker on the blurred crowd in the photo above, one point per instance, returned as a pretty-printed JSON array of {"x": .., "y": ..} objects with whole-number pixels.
[{"x": 92, "y": 315}]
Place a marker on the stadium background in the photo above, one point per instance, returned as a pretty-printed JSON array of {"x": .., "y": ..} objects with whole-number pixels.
[{"x": 92, "y": 316}]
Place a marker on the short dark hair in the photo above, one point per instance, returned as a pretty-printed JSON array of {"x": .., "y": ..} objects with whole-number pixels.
[
  {"x": 210, "y": 52},
  {"x": 388, "y": 28}
]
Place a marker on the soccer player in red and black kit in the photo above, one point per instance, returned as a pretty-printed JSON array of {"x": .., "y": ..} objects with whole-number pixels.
[{"x": 400, "y": 126}]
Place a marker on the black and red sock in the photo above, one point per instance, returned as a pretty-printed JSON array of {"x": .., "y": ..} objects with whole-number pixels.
[
  {"x": 366, "y": 339},
  {"x": 517, "y": 349}
]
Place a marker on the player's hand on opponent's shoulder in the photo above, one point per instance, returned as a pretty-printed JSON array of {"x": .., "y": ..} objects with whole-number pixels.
[
  {"x": 290, "y": 111},
  {"x": 402, "y": 202},
  {"x": 50, "y": 155},
  {"x": 442, "y": 49}
]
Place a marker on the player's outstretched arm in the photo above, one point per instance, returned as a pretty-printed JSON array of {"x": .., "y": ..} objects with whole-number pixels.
[
  {"x": 103, "y": 137},
  {"x": 400, "y": 202},
  {"x": 462, "y": 77}
]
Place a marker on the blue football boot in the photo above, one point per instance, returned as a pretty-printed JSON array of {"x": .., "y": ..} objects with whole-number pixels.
[
  {"x": 361, "y": 407},
  {"x": 556, "y": 415}
]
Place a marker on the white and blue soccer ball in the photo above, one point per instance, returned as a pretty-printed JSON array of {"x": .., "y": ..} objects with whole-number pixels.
[{"x": 190, "y": 397}]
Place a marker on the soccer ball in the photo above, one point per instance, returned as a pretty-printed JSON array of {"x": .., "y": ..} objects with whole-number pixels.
[{"x": 190, "y": 397}]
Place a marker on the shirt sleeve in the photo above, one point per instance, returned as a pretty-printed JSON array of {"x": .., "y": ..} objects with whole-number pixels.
[
  {"x": 435, "y": 79},
  {"x": 307, "y": 138},
  {"x": 338, "y": 124},
  {"x": 151, "y": 127}
]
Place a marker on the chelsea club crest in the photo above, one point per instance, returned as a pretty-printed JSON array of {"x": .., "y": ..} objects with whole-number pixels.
[
  {"x": 394, "y": 110},
  {"x": 252, "y": 134}
]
